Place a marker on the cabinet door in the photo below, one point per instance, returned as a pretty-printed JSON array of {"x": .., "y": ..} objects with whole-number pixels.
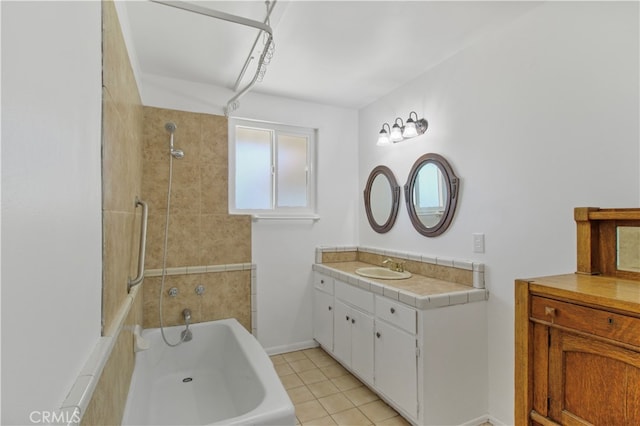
[
  {"x": 362, "y": 345},
  {"x": 396, "y": 366},
  {"x": 323, "y": 319},
  {"x": 592, "y": 382},
  {"x": 342, "y": 332}
]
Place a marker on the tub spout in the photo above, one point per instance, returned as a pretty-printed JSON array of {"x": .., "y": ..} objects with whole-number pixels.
[{"x": 187, "y": 315}]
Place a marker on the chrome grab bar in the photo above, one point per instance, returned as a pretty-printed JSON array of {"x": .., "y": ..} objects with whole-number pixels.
[{"x": 143, "y": 245}]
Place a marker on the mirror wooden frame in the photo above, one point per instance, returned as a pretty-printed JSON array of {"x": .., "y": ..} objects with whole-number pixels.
[
  {"x": 452, "y": 183},
  {"x": 395, "y": 201}
]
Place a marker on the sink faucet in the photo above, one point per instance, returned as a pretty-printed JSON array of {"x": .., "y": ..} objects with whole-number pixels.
[{"x": 394, "y": 266}]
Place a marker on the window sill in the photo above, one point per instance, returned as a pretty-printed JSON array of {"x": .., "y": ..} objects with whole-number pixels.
[{"x": 260, "y": 217}]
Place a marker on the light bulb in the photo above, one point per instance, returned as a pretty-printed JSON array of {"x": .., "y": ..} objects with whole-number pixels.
[
  {"x": 396, "y": 133},
  {"x": 410, "y": 130}
]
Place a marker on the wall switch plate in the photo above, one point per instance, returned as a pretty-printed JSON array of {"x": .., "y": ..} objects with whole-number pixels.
[{"x": 478, "y": 243}]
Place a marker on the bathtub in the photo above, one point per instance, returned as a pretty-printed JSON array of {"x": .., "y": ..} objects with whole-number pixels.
[{"x": 221, "y": 377}]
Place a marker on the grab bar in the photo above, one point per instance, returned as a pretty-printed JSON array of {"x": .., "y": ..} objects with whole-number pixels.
[{"x": 143, "y": 245}]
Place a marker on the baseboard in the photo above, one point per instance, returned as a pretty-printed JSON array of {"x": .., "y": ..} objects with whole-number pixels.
[
  {"x": 496, "y": 422},
  {"x": 275, "y": 350},
  {"x": 477, "y": 421}
]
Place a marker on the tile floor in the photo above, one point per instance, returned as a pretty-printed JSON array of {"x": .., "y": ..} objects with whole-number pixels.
[{"x": 324, "y": 393}]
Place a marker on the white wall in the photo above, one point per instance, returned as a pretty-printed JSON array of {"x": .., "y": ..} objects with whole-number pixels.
[
  {"x": 536, "y": 119},
  {"x": 285, "y": 250},
  {"x": 51, "y": 200}
]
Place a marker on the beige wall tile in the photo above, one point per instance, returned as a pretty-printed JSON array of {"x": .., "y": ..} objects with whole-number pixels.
[{"x": 201, "y": 232}]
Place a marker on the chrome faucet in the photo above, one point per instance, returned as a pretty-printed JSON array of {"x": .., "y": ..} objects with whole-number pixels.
[
  {"x": 394, "y": 266},
  {"x": 186, "y": 334},
  {"x": 186, "y": 313}
]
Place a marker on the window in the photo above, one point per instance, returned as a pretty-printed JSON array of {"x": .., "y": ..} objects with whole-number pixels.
[{"x": 271, "y": 169}]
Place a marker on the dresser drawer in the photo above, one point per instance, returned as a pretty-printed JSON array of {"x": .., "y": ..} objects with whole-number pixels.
[
  {"x": 396, "y": 313},
  {"x": 589, "y": 320},
  {"x": 323, "y": 282}
]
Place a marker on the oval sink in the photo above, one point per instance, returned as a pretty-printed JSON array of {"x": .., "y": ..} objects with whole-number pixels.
[{"x": 382, "y": 273}]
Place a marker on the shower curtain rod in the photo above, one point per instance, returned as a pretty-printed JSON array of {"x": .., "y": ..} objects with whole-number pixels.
[{"x": 232, "y": 105}]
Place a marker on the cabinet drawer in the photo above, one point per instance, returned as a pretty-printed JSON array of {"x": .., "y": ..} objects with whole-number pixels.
[
  {"x": 396, "y": 313},
  {"x": 589, "y": 320},
  {"x": 355, "y": 296},
  {"x": 323, "y": 283}
]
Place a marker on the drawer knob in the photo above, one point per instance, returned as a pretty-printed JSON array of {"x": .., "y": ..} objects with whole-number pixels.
[
  {"x": 353, "y": 321},
  {"x": 610, "y": 320},
  {"x": 347, "y": 317},
  {"x": 393, "y": 310},
  {"x": 549, "y": 311},
  {"x": 330, "y": 308},
  {"x": 321, "y": 281},
  {"x": 378, "y": 335}
]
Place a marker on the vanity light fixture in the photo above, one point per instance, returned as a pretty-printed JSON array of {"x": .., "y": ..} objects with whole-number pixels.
[
  {"x": 396, "y": 131},
  {"x": 383, "y": 137},
  {"x": 415, "y": 127},
  {"x": 399, "y": 132}
]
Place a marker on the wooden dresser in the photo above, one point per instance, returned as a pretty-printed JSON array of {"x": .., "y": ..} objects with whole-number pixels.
[{"x": 577, "y": 336}]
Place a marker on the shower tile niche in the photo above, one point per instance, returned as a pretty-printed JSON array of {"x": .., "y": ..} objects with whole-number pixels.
[{"x": 201, "y": 231}]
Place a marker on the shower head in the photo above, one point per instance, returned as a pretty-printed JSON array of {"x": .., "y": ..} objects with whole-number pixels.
[
  {"x": 175, "y": 153},
  {"x": 170, "y": 127}
]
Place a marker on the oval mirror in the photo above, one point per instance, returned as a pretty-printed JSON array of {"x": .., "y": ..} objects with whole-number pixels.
[
  {"x": 431, "y": 194},
  {"x": 381, "y": 199}
]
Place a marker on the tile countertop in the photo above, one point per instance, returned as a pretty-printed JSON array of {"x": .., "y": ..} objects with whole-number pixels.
[{"x": 418, "y": 291}]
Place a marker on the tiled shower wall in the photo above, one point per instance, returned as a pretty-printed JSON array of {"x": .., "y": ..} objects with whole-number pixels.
[
  {"x": 122, "y": 120},
  {"x": 206, "y": 246}
]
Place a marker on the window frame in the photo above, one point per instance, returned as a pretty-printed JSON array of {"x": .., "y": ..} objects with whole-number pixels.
[{"x": 275, "y": 129}]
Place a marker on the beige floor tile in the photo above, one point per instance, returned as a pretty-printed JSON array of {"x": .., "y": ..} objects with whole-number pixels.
[
  {"x": 291, "y": 381},
  {"x": 323, "y": 388},
  {"x": 300, "y": 394},
  {"x": 394, "y": 421},
  {"x": 312, "y": 376},
  {"x": 377, "y": 411},
  {"x": 352, "y": 417},
  {"x": 360, "y": 396},
  {"x": 277, "y": 359},
  {"x": 283, "y": 369},
  {"x": 302, "y": 365},
  {"x": 333, "y": 371},
  {"x": 329, "y": 394},
  {"x": 314, "y": 352},
  {"x": 310, "y": 410},
  {"x": 294, "y": 356},
  {"x": 347, "y": 382},
  {"x": 320, "y": 422},
  {"x": 324, "y": 361},
  {"x": 335, "y": 403}
]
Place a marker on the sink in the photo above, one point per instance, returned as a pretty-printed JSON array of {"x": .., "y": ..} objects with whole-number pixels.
[{"x": 382, "y": 273}]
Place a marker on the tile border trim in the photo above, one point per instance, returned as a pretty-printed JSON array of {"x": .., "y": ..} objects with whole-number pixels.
[{"x": 477, "y": 268}]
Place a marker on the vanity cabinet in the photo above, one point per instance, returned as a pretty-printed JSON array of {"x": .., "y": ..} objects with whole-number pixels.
[
  {"x": 353, "y": 329},
  {"x": 396, "y": 355},
  {"x": 323, "y": 306},
  {"x": 422, "y": 362}
]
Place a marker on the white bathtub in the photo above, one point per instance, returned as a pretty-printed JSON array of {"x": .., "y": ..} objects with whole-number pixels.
[{"x": 222, "y": 376}]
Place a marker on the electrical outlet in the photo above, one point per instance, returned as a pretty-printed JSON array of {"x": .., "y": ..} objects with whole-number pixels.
[{"x": 478, "y": 243}]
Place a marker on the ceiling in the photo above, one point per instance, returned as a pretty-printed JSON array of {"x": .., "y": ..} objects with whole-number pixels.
[{"x": 343, "y": 53}]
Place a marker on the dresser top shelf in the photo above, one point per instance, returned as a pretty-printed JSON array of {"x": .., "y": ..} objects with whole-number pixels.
[{"x": 605, "y": 291}]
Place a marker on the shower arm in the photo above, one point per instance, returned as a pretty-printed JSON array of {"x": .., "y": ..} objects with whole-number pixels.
[{"x": 232, "y": 105}]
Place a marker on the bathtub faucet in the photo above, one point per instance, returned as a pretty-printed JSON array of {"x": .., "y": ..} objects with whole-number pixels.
[{"x": 186, "y": 334}]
